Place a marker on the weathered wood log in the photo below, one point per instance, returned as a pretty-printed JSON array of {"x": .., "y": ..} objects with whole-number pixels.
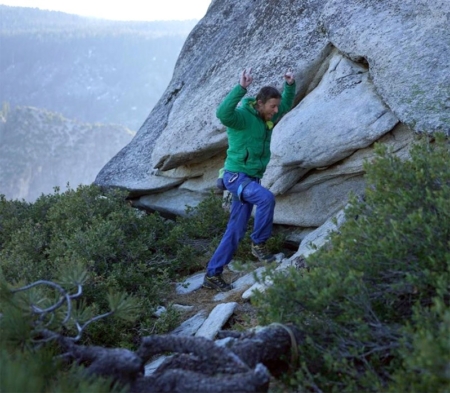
[
  {"x": 275, "y": 346},
  {"x": 242, "y": 364},
  {"x": 183, "y": 381},
  {"x": 121, "y": 364},
  {"x": 215, "y": 359}
]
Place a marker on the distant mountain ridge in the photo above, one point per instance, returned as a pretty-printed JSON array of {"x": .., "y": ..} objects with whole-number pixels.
[
  {"x": 14, "y": 20},
  {"x": 40, "y": 150},
  {"x": 88, "y": 69}
]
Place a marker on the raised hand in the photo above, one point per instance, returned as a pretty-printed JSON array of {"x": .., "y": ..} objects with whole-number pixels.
[
  {"x": 246, "y": 78},
  {"x": 289, "y": 77}
]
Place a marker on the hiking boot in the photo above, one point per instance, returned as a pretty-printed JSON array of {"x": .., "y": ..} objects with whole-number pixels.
[
  {"x": 216, "y": 282},
  {"x": 261, "y": 252}
]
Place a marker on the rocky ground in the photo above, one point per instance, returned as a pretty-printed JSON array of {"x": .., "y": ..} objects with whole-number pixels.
[
  {"x": 205, "y": 299},
  {"x": 205, "y": 312}
]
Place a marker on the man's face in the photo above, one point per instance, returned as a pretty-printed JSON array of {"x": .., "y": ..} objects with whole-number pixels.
[{"x": 269, "y": 109}]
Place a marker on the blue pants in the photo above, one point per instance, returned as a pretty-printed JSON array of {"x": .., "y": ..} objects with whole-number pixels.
[{"x": 252, "y": 194}]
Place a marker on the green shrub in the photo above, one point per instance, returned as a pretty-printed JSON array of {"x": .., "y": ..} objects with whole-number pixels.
[
  {"x": 38, "y": 372},
  {"x": 121, "y": 248},
  {"x": 425, "y": 351},
  {"x": 29, "y": 358},
  {"x": 374, "y": 305},
  {"x": 63, "y": 236}
]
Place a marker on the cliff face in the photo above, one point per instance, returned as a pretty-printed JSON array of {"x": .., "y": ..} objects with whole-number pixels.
[
  {"x": 366, "y": 72},
  {"x": 40, "y": 150}
]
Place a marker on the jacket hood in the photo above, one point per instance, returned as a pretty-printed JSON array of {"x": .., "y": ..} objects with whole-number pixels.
[{"x": 249, "y": 104}]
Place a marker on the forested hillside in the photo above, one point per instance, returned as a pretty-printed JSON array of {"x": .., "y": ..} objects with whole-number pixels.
[
  {"x": 74, "y": 91},
  {"x": 40, "y": 150},
  {"x": 84, "y": 68}
]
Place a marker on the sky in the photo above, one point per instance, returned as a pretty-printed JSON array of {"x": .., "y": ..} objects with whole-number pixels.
[{"x": 143, "y": 10}]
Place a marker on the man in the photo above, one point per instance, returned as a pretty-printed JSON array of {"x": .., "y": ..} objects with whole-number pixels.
[{"x": 249, "y": 130}]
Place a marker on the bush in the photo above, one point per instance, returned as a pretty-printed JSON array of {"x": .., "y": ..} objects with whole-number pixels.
[
  {"x": 38, "y": 372},
  {"x": 122, "y": 249},
  {"x": 62, "y": 236},
  {"x": 374, "y": 305}
]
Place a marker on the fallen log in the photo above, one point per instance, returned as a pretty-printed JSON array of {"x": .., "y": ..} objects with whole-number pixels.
[{"x": 237, "y": 362}]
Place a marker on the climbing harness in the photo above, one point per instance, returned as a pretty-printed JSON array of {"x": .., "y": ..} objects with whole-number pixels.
[{"x": 241, "y": 189}]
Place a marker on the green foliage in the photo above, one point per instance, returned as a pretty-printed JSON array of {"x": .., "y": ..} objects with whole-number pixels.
[
  {"x": 211, "y": 222},
  {"x": 168, "y": 320},
  {"x": 97, "y": 240},
  {"x": 196, "y": 234},
  {"x": 39, "y": 372},
  {"x": 425, "y": 351},
  {"x": 103, "y": 263},
  {"x": 374, "y": 305},
  {"x": 29, "y": 362}
]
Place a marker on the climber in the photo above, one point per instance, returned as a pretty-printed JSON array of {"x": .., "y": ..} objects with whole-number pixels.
[{"x": 249, "y": 131}]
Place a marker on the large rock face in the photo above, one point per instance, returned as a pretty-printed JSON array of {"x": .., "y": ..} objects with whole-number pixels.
[{"x": 366, "y": 72}]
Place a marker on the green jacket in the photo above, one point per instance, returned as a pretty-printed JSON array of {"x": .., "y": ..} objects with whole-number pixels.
[{"x": 248, "y": 135}]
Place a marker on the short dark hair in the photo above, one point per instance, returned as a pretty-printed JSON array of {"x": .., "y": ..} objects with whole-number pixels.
[{"x": 266, "y": 93}]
